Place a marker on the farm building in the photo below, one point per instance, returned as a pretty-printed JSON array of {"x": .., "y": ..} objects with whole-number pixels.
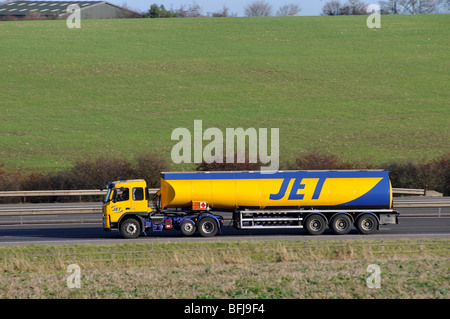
[{"x": 33, "y": 10}]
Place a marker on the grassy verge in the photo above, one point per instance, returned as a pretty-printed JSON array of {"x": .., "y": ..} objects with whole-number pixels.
[{"x": 257, "y": 269}]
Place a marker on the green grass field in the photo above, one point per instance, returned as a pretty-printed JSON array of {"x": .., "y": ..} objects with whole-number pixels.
[{"x": 119, "y": 87}]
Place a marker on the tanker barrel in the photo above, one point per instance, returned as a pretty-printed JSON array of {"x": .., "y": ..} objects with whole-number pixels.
[{"x": 346, "y": 189}]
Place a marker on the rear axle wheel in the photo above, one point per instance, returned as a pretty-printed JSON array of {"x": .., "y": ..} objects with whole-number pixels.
[
  {"x": 187, "y": 227},
  {"x": 315, "y": 224},
  {"x": 207, "y": 227},
  {"x": 341, "y": 224},
  {"x": 367, "y": 224}
]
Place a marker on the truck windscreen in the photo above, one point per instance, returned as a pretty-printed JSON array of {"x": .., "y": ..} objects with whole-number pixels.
[{"x": 107, "y": 196}]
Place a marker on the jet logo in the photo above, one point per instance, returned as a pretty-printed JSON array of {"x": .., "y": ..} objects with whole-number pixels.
[{"x": 295, "y": 188}]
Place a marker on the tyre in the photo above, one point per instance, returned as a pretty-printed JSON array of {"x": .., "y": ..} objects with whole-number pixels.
[
  {"x": 367, "y": 224},
  {"x": 130, "y": 228},
  {"x": 207, "y": 227},
  {"x": 187, "y": 227},
  {"x": 315, "y": 224},
  {"x": 341, "y": 224}
]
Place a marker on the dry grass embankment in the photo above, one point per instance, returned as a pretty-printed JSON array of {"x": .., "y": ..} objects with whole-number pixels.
[{"x": 257, "y": 269}]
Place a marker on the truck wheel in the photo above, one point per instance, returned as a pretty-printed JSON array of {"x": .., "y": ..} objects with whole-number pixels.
[
  {"x": 207, "y": 227},
  {"x": 130, "y": 228},
  {"x": 187, "y": 227},
  {"x": 315, "y": 224},
  {"x": 367, "y": 224},
  {"x": 341, "y": 224}
]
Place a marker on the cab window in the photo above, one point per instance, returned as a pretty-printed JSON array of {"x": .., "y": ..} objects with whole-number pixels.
[
  {"x": 122, "y": 194},
  {"x": 138, "y": 193}
]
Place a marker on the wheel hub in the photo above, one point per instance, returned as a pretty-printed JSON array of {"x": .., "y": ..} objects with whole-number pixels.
[
  {"x": 188, "y": 227},
  {"x": 367, "y": 224},
  {"x": 131, "y": 228},
  {"x": 316, "y": 224},
  {"x": 341, "y": 224},
  {"x": 208, "y": 227}
]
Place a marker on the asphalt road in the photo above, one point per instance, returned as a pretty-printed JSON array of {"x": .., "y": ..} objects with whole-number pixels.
[
  {"x": 415, "y": 222},
  {"x": 93, "y": 233},
  {"x": 31, "y": 213}
]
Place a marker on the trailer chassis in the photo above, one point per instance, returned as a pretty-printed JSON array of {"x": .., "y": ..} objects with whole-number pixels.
[{"x": 316, "y": 221}]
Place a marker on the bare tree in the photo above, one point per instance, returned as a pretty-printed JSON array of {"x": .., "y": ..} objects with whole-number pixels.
[
  {"x": 390, "y": 7},
  {"x": 351, "y": 7},
  {"x": 420, "y": 6},
  {"x": 258, "y": 8},
  {"x": 354, "y": 7},
  {"x": 332, "y": 8},
  {"x": 224, "y": 12},
  {"x": 411, "y": 6},
  {"x": 191, "y": 11},
  {"x": 288, "y": 10}
]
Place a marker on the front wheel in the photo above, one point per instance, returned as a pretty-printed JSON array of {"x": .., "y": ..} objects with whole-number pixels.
[{"x": 130, "y": 228}]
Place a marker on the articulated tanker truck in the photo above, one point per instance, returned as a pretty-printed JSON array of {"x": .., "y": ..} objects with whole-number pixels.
[{"x": 198, "y": 202}]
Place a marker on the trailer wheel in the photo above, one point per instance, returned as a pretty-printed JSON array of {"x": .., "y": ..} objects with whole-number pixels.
[
  {"x": 315, "y": 224},
  {"x": 366, "y": 224},
  {"x": 187, "y": 227},
  {"x": 341, "y": 224},
  {"x": 207, "y": 227},
  {"x": 130, "y": 228}
]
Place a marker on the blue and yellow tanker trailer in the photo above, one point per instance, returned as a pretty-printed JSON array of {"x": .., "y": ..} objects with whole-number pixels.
[
  {"x": 292, "y": 199},
  {"x": 313, "y": 200}
]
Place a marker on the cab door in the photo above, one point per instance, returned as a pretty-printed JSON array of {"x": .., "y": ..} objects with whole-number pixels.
[
  {"x": 139, "y": 200},
  {"x": 121, "y": 200}
]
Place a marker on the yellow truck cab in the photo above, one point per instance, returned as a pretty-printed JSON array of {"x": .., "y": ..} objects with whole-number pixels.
[
  {"x": 127, "y": 208},
  {"x": 125, "y": 205}
]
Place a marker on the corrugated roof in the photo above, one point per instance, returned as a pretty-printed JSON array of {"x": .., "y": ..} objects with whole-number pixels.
[{"x": 23, "y": 8}]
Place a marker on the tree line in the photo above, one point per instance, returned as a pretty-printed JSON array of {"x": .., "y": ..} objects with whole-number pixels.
[
  {"x": 261, "y": 8},
  {"x": 357, "y": 7},
  {"x": 94, "y": 173},
  {"x": 257, "y": 8}
]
